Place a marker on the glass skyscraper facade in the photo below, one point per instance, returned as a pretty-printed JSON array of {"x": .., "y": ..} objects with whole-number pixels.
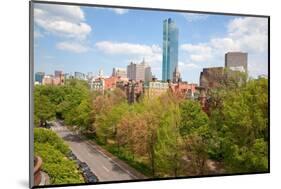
[
  {"x": 170, "y": 49},
  {"x": 39, "y": 76}
]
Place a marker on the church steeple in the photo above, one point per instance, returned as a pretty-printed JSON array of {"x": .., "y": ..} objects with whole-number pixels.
[{"x": 176, "y": 75}]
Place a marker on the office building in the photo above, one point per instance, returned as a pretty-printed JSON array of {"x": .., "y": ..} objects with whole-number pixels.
[
  {"x": 211, "y": 77},
  {"x": 59, "y": 78},
  {"x": 139, "y": 72},
  {"x": 100, "y": 73},
  {"x": 39, "y": 77},
  {"x": 97, "y": 84},
  {"x": 155, "y": 88},
  {"x": 147, "y": 74},
  {"x": 119, "y": 72},
  {"x": 58, "y": 73},
  {"x": 90, "y": 75},
  {"x": 170, "y": 49},
  {"x": 236, "y": 61},
  {"x": 136, "y": 72},
  {"x": 79, "y": 75}
]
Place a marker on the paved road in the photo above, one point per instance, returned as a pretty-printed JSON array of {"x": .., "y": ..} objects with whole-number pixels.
[{"x": 100, "y": 164}]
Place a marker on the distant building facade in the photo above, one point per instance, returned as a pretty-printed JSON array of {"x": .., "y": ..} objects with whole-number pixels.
[
  {"x": 39, "y": 77},
  {"x": 183, "y": 89},
  {"x": 236, "y": 61},
  {"x": 119, "y": 72},
  {"x": 110, "y": 83},
  {"x": 97, "y": 84},
  {"x": 147, "y": 74},
  {"x": 170, "y": 49},
  {"x": 135, "y": 71},
  {"x": 133, "y": 90},
  {"x": 139, "y": 72},
  {"x": 57, "y": 79},
  {"x": 58, "y": 73},
  {"x": 48, "y": 80},
  {"x": 79, "y": 75},
  {"x": 211, "y": 77},
  {"x": 90, "y": 75},
  {"x": 155, "y": 88}
]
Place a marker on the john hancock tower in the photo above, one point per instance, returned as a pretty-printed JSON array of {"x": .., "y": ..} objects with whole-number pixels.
[{"x": 170, "y": 49}]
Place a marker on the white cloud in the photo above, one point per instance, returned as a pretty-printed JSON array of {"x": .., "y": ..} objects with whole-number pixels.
[
  {"x": 200, "y": 57},
  {"x": 119, "y": 11},
  {"x": 152, "y": 53},
  {"x": 250, "y": 33},
  {"x": 191, "y": 17},
  {"x": 197, "y": 53},
  {"x": 183, "y": 65},
  {"x": 200, "y": 48},
  {"x": 224, "y": 44},
  {"x": 62, "y": 20},
  {"x": 72, "y": 47},
  {"x": 246, "y": 34}
]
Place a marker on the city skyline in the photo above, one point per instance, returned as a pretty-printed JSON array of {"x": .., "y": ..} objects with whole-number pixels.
[{"x": 89, "y": 44}]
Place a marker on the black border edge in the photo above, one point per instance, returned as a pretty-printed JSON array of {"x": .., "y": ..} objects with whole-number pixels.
[
  {"x": 31, "y": 64},
  {"x": 149, "y": 180},
  {"x": 268, "y": 62}
]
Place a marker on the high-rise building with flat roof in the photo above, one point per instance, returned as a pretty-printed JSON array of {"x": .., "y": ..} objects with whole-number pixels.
[
  {"x": 170, "y": 49},
  {"x": 139, "y": 72},
  {"x": 136, "y": 72},
  {"x": 147, "y": 74},
  {"x": 119, "y": 72},
  {"x": 58, "y": 73},
  {"x": 236, "y": 61},
  {"x": 79, "y": 75},
  {"x": 39, "y": 77}
]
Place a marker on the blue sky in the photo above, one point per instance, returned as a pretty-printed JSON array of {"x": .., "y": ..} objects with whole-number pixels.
[{"x": 86, "y": 39}]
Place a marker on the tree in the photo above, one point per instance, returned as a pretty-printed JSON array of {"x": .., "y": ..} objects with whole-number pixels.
[
  {"x": 71, "y": 102},
  {"x": 169, "y": 144},
  {"x": 243, "y": 131},
  {"x": 196, "y": 135},
  {"x": 44, "y": 110},
  {"x": 137, "y": 132},
  {"x": 107, "y": 110},
  {"x": 192, "y": 117},
  {"x": 83, "y": 114}
]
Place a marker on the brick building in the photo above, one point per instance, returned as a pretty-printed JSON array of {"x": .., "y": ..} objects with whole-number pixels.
[
  {"x": 155, "y": 88},
  {"x": 211, "y": 77},
  {"x": 183, "y": 89},
  {"x": 133, "y": 91}
]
